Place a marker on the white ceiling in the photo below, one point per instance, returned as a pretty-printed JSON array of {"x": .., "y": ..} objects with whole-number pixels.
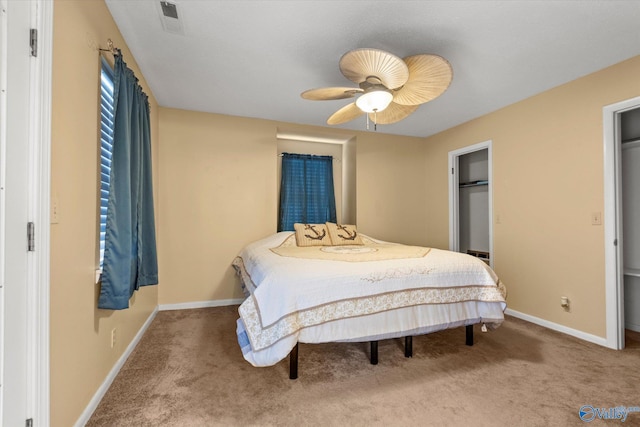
[{"x": 254, "y": 58}]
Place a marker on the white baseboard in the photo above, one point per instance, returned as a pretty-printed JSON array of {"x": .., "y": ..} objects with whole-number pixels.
[
  {"x": 102, "y": 390},
  {"x": 200, "y": 304},
  {"x": 557, "y": 327}
]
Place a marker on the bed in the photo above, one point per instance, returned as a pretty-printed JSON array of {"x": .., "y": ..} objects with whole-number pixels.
[{"x": 363, "y": 292}]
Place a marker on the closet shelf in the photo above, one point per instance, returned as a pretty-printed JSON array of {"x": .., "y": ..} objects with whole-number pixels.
[
  {"x": 474, "y": 183},
  {"x": 635, "y": 272}
]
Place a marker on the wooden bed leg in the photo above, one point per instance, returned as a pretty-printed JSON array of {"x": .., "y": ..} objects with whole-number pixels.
[
  {"x": 469, "y": 335},
  {"x": 408, "y": 346},
  {"x": 374, "y": 352},
  {"x": 293, "y": 363}
]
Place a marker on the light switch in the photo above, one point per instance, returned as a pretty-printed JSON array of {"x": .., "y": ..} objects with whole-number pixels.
[
  {"x": 55, "y": 209},
  {"x": 596, "y": 218}
]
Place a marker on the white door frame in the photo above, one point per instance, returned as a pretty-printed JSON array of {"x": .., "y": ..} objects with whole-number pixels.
[
  {"x": 454, "y": 202},
  {"x": 41, "y": 196},
  {"x": 614, "y": 284},
  {"x": 38, "y": 173}
]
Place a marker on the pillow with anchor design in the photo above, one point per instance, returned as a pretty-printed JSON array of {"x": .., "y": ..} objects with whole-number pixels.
[
  {"x": 342, "y": 234},
  {"x": 312, "y": 235}
]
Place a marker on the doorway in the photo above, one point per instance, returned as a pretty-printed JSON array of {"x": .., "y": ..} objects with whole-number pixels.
[
  {"x": 471, "y": 201},
  {"x": 630, "y": 173},
  {"x": 620, "y": 147}
]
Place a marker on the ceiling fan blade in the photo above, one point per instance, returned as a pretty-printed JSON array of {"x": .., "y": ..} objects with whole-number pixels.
[
  {"x": 358, "y": 64},
  {"x": 429, "y": 77},
  {"x": 345, "y": 114},
  {"x": 393, "y": 113},
  {"x": 329, "y": 93}
]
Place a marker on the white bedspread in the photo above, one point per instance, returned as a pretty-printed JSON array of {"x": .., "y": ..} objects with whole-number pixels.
[{"x": 289, "y": 293}]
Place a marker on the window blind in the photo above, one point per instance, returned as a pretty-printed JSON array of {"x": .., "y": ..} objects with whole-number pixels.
[{"x": 106, "y": 146}]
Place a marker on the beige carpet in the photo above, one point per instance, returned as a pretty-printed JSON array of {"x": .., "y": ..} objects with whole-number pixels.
[{"x": 188, "y": 371}]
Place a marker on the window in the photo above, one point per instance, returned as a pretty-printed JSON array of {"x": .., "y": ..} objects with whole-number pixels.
[
  {"x": 129, "y": 257},
  {"x": 306, "y": 190},
  {"x": 106, "y": 146}
]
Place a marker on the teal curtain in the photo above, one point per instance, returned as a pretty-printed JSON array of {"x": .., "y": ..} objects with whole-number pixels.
[
  {"x": 130, "y": 258},
  {"x": 306, "y": 190}
]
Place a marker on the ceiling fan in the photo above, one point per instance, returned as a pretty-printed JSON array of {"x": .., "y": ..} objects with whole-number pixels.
[{"x": 389, "y": 88}]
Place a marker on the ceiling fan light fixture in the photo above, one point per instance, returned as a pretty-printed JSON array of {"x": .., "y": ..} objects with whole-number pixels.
[{"x": 374, "y": 101}]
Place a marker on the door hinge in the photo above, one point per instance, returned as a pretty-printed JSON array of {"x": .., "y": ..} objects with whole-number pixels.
[
  {"x": 615, "y": 242},
  {"x": 33, "y": 41},
  {"x": 29, "y": 422},
  {"x": 31, "y": 237},
  {"x": 451, "y": 171}
]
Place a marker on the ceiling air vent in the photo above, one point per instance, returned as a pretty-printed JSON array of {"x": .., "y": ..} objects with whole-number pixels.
[
  {"x": 169, "y": 17},
  {"x": 169, "y": 9}
]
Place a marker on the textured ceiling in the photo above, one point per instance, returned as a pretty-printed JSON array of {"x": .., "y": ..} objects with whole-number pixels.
[{"x": 254, "y": 58}]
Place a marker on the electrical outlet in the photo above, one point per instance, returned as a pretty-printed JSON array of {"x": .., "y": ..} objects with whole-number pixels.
[{"x": 113, "y": 337}]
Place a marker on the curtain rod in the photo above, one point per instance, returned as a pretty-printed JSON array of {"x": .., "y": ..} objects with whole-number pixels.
[
  {"x": 110, "y": 48},
  {"x": 337, "y": 159}
]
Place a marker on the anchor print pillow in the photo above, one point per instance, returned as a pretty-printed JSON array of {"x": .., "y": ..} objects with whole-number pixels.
[
  {"x": 312, "y": 235},
  {"x": 342, "y": 234}
]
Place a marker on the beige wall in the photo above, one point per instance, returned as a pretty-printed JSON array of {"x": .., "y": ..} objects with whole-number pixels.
[
  {"x": 81, "y": 356},
  {"x": 218, "y": 186},
  {"x": 392, "y": 187},
  {"x": 548, "y": 180},
  {"x": 219, "y": 193}
]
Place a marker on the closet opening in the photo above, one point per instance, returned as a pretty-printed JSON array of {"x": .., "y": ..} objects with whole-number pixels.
[
  {"x": 630, "y": 173},
  {"x": 621, "y": 126},
  {"x": 471, "y": 201}
]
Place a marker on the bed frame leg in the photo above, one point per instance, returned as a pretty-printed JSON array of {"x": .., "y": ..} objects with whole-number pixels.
[
  {"x": 293, "y": 363},
  {"x": 469, "y": 335},
  {"x": 408, "y": 346},
  {"x": 374, "y": 352}
]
